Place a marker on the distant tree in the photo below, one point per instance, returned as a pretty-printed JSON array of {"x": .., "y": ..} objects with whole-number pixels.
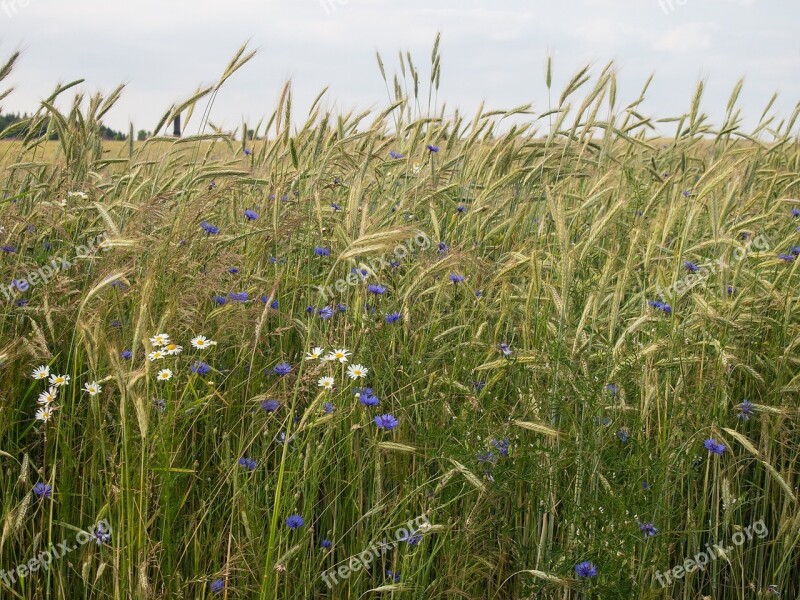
[{"x": 142, "y": 135}]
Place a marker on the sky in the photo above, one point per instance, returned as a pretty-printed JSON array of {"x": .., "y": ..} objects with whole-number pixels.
[{"x": 492, "y": 50}]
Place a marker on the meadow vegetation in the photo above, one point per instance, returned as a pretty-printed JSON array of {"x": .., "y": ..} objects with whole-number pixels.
[{"x": 513, "y": 383}]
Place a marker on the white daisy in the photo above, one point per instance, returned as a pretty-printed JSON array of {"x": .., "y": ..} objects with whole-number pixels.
[
  {"x": 81, "y": 195},
  {"x": 357, "y": 371},
  {"x": 155, "y": 355},
  {"x": 201, "y": 342},
  {"x": 59, "y": 380},
  {"x": 48, "y": 397},
  {"x": 315, "y": 353},
  {"x": 164, "y": 375},
  {"x": 326, "y": 382},
  {"x": 42, "y": 372},
  {"x": 173, "y": 349},
  {"x": 92, "y": 388},
  {"x": 45, "y": 413},
  {"x": 162, "y": 339},
  {"x": 340, "y": 355}
]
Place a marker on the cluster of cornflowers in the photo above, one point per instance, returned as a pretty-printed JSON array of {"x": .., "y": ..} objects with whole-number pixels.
[
  {"x": 47, "y": 399},
  {"x": 365, "y": 396},
  {"x": 164, "y": 347}
]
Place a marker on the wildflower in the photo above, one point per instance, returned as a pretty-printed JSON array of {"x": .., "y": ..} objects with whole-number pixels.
[
  {"x": 155, "y": 355},
  {"x": 282, "y": 369},
  {"x": 395, "y": 155},
  {"x": 160, "y": 404},
  {"x": 326, "y": 383},
  {"x": 456, "y": 278},
  {"x": 657, "y": 304},
  {"x": 247, "y": 151},
  {"x": 8, "y": 249},
  {"x": 731, "y": 290},
  {"x": 325, "y": 313},
  {"x": 126, "y": 354},
  {"x": 209, "y": 228},
  {"x": 101, "y": 534},
  {"x": 501, "y": 446},
  {"x": 310, "y": 310},
  {"x": 745, "y": 410},
  {"x": 335, "y": 207},
  {"x": 461, "y": 208},
  {"x": 433, "y": 148},
  {"x": 270, "y": 405},
  {"x": 116, "y": 324},
  {"x": 248, "y": 463},
  {"x": 367, "y": 397},
  {"x": 282, "y": 438},
  {"x": 164, "y": 375},
  {"x": 645, "y": 486},
  {"x": 328, "y": 408},
  {"x": 233, "y": 270},
  {"x": 162, "y": 339},
  {"x": 322, "y": 251},
  {"x": 648, "y": 529},
  {"x": 392, "y": 575},
  {"x": 442, "y": 247},
  {"x": 341, "y": 307},
  {"x": 714, "y": 447},
  {"x": 612, "y": 389},
  {"x": 623, "y": 435},
  {"x": 173, "y": 349},
  {"x": 505, "y": 349},
  {"x": 326, "y": 544},
  {"x": 339, "y": 354},
  {"x": 357, "y": 371},
  {"x": 201, "y": 342},
  {"x": 238, "y": 297},
  {"x": 200, "y": 368},
  {"x": 386, "y": 422},
  {"x": 59, "y": 380},
  {"x": 487, "y": 457},
  {"x": 691, "y": 267},
  {"x": 796, "y": 212},
  {"x": 295, "y": 521},
  {"x": 786, "y": 257},
  {"x": 45, "y": 413},
  {"x": 41, "y": 372},
  {"x": 585, "y": 569},
  {"x": 221, "y": 300},
  {"x": 315, "y": 353},
  {"x": 48, "y": 397},
  {"x": 478, "y": 385},
  {"x": 216, "y": 586},
  {"x": 392, "y": 317},
  {"x": 92, "y": 388},
  {"x": 42, "y": 490},
  {"x": 376, "y": 289}
]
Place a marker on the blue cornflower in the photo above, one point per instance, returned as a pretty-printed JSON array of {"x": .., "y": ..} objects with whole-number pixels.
[
  {"x": 645, "y": 486},
  {"x": 612, "y": 389},
  {"x": 310, "y": 310},
  {"x": 394, "y": 264},
  {"x": 386, "y": 422},
  {"x": 395, "y": 155},
  {"x": 328, "y": 408},
  {"x": 22, "y": 302},
  {"x": 745, "y": 410},
  {"x": 272, "y": 196},
  {"x": 238, "y": 296},
  {"x": 250, "y": 215},
  {"x": 326, "y": 544},
  {"x": 501, "y": 446},
  {"x": 8, "y": 249},
  {"x": 794, "y": 250},
  {"x": 461, "y": 208},
  {"x": 648, "y": 529},
  {"x": 623, "y": 435},
  {"x": 393, "y": 575},
  {"x": 479, "y": 293},
  {"x": 42, "y": 490},
  {"x": 216, "y": 586},
  {"x": 367, "y": 397},
  {"x": 233, "y": 270},
  {"x": 478, "y": 385},
  {"x": 731, "y": 290},
  {"x": 786, "y": 257},
  {"x": 661, "y": 306},
  {"x": 247, "y": 152},
  {"x": 486, "y": 457},
  {"x": 283, "y": 368},
  {"x": 325, "y": 313},
  {"x": 690, "y": 266},
  {"x": 341, "y": 307},
  {"x": 585, "y": 569},
  {"x": 221, "y": 300},
  {"x": 295, "y": 521},
  {"x": 248, "y": 463},
  {"x": 101, "y": 534},
  {"x": 200, "y": 368},
  {"x": 47, "y": 245},
  {"x": 270, "y": 405},
  {"x": 376, "y": 289},
  {"x": 505, "y": 349},
  {"x": 321, "y": 251},
  {"x": 285, "y": 197},
  {"x": 687, "y": 193},
  {"x": 714, "y": 447},
  {"x": 796, "y": 212},
  {"x": 442, "y": 248},
  {"x": 393, "y": 317},
  {"x": 433, "y": 148},
  {"x": 456, "y": 278},
  {"x": 335, "y": 207},
  {"x": 126, "y": 354},
  {"x": 209, "y": 228}
]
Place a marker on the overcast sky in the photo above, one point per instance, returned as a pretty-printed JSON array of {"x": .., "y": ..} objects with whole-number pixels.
[{"x": 492, "y": 49}]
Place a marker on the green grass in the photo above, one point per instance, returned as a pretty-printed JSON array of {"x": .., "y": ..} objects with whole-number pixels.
[{"x": 570, "y": 226}]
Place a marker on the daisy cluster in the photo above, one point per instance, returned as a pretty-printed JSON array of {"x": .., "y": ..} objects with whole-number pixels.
[
  {"x": 48, "y": 398},
  {"x": 164, "y": 347}
]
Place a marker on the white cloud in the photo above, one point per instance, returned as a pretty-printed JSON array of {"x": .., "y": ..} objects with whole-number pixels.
[{"x": 689, "y": 37}]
